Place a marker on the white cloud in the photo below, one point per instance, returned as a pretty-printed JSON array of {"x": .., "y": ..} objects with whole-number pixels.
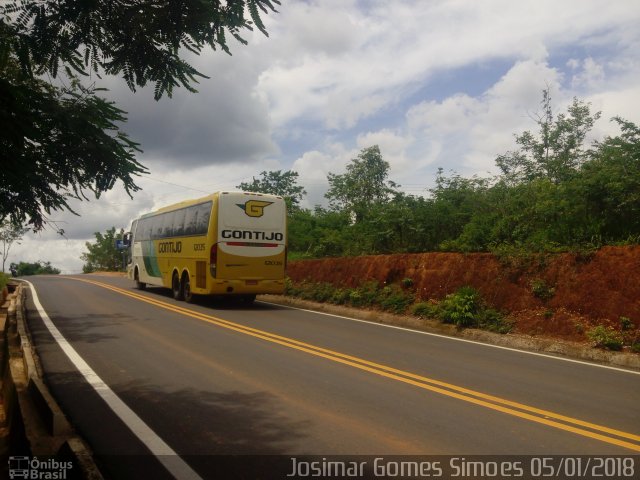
[
  {"x": 472, "y": 131},
  {"x": 392, "y": 147},
  {"x": 63, "y": 254},
  {"x": 399, "y": 44},
  {"x": 590, "y": 76},
  {"x": 314, "y": 166}
]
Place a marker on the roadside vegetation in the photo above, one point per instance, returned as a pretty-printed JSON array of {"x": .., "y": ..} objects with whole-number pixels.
[
  {"x": 554, "y": 193},
  {"x": 465, "y": 308},
  {"x": 102, "y": 255},
  {"x": 11, "y": 234},
  {"x": 35, "y": 268},
  {"x": 615, "y": 338}
]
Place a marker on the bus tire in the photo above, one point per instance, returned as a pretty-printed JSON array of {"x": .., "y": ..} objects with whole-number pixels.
[
  {"x": 186, "y": 288},
  {"x": 176, "y": 287}
]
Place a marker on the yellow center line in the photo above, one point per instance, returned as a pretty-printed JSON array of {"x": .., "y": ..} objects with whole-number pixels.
[{"x": 597, "y": 432}]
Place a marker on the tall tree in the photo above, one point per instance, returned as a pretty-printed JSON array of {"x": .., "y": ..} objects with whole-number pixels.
[
  {"x": 610, "y": 184},
  {"x": 363, "y": 185},
  {"x": 58, "y": 142},
  {"x": 102, "y": 254},
  {"x": 284, "y": 184},
  {"x": 557, "y": 150},
  {"x": 10, "y": 233}
]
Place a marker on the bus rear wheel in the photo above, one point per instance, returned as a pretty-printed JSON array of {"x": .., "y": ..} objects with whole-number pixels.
[
  {"x": 186, "y": 288},
  {"x": 176, "y": 287}
]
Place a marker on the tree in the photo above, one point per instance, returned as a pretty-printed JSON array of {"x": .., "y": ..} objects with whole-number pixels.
[
  {"x": 456, "y": 201},
  {"x": 10, "y": 233},
  {"x": 557, "y": 151},
  {"x": 279, "y": 183},
  {"x": 35, "y": 268},
  {"x": 610, "y": 184},
  {"x": 103, "y": 254},
  {"x": 59, "y": 141},
  {"x": 363, "y": 185}
]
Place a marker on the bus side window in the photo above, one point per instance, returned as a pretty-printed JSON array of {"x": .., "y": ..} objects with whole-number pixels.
[
  {"x": 190, "y": 220},
  {"x": 167, "y": 224},
  {"x": 178, "y": 222},
  {"x": 144, "y": 229},
  {"x": 202, "y": 223},
  {"x": 156, "y": 227}
]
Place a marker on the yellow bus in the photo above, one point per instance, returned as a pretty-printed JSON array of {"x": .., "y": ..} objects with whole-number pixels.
[{"x": 227, "y": 243}]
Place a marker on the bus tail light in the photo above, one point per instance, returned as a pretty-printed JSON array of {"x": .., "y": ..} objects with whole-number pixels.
[{"x": 213, "y": 260}]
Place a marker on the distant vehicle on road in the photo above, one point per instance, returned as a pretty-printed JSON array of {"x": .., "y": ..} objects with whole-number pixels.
[{"x": 227, "y": 243}]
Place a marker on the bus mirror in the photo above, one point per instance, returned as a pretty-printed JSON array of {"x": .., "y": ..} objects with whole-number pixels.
[{"x": 126, "y": 240}]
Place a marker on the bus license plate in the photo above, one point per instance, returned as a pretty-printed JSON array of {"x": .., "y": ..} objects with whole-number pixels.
[{"x": 252, "y": 282}]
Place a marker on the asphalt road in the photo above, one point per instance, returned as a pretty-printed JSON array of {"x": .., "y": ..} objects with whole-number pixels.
[{"x": 230, "y": 386}]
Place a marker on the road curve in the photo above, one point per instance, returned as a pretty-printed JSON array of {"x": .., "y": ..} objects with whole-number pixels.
[{"x": 212, "y": 380}]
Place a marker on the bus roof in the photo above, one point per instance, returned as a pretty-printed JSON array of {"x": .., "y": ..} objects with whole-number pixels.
[{"x": 195, "y": 201}]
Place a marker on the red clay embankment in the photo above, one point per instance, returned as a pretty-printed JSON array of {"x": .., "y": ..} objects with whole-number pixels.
[{"x": 587, "y": 290}]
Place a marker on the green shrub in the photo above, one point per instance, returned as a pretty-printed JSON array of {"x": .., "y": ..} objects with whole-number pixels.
[
  {"x": 319, "y": 292},
  {"x": 289, "y": 287},
  {"x": 626, "y": 323},
  {"x": 392, "y": 298},
  {"x": 425, "y": 309},
  {"x": 605, "y": 337},
  {"x": 635, "y": 347},
  {"x": 494, "y": 321},
  {"x": 465, "y": 308},
  {"x": 340, "y": 296},
  {"x": 365, "y": 295},
  {"x": 407, "y": 282},
  {"x": 461, "y": 307},
  {"x": 541, "y": 290},
  {"x": 4, "y": 279}
]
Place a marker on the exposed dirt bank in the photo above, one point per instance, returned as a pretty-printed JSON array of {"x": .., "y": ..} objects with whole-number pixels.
[{"x": 558, "y": 296}]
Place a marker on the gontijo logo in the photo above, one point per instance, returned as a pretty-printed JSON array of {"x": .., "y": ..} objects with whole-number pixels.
[{"x": 254, "y": 208}]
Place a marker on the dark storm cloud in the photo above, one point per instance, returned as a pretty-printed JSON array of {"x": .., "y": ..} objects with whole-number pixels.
[{"x": 224, "y": 122}]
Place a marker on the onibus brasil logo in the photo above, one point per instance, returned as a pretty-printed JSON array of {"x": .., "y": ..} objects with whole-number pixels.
[
  {"x": 254, "y": 208},
  {"x": 32, "y": 468}
]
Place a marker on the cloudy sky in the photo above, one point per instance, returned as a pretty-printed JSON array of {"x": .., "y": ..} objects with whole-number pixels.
[{"x": 434, "y": 83}]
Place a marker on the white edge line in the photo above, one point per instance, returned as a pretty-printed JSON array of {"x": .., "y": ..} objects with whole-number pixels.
[
  {"x": 457, "y": 339},
  {"x": 163, "y": 452}
]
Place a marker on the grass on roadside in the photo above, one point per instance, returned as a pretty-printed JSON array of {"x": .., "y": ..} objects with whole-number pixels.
[{"x": 464, "y": 308}]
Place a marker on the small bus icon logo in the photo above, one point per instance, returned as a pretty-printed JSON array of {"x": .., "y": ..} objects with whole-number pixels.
[{"x": 19, "y": 467}]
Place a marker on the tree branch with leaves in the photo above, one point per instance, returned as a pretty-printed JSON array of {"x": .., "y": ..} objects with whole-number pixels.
[{"x": 61, "y": 139}]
